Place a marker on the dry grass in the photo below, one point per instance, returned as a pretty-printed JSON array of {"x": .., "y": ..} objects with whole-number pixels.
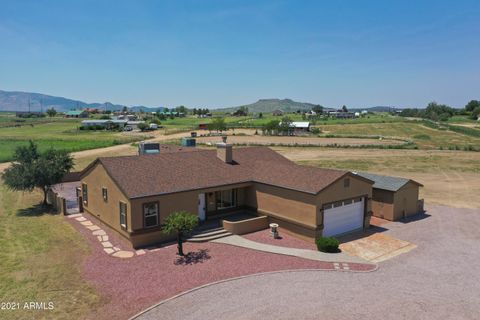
[
  {"x": 450, "y": 177},
  {"x": 40, "y": 261}
]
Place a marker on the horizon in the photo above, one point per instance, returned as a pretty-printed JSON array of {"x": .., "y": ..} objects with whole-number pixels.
[{"x": 216, "y": 54}]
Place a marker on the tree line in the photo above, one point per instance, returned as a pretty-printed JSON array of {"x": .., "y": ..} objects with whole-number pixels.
[{"x": 442, "y": 112}]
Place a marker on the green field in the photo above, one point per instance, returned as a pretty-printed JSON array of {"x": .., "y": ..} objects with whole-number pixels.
[{"x": 58, "y": 133}]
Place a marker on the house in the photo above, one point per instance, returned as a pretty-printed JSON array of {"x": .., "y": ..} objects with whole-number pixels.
[
  {"x": 203, "y": 126},
  {"x": 394, "y": 198},
  {"x": 76, "y": 114},
  {"x": 29, "y": 114},
  {"x": 277, "y": 112},
  {"x": 134, "y": 194}
]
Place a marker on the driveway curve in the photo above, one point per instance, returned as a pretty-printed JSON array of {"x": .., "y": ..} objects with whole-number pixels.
[{"x": 438, "y": 280}]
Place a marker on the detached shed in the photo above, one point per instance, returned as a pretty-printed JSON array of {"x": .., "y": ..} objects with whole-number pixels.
[{"x": 394, "y": 198}]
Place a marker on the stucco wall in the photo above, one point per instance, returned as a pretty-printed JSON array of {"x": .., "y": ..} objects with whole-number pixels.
[
  {"x": 337, "y": 191},
  {"x": 293, "y": 206},
  {"x": 246, "y": 226},
  {"x": 406, "y": 201},
  {"x": 107, "y": 211}
]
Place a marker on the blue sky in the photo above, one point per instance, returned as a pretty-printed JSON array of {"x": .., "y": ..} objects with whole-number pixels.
[{"x": 228, "y": 53}]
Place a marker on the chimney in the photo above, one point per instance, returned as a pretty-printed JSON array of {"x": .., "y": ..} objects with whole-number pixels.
[{"x": 224, "y": 151}]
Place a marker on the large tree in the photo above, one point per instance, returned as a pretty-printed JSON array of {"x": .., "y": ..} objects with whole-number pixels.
[
  {"x": 179, "y": 223},
  {"x": 472, "y": 105},
  {"x": 51, "y": 112},
  {"x": 286, "y": 125},
  {"x": 31, "y": 169}
]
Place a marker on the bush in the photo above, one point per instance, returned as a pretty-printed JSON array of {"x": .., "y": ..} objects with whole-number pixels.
[{"x": 327, "y": 244}]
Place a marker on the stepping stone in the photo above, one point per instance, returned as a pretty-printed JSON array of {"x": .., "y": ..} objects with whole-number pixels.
[
  {"x": 74, "y": 215},
  {"x": 104, "y": 238},
  {"x": 99, "y": 238},
  {"x": 99, "y": 233},
  {"x": 93, "y": 228},
  {"x": 108, "y": 250},
  {"x": 140, "y": 252},
  {"x": 123, "y": 254},
  {"x": 107, "y": 244},
  {"x": 87, "y": 223},
  {"x": 345, "y": 264},
  {"x": 80, "y": 219},
  {"x": 116, "y": 249}
]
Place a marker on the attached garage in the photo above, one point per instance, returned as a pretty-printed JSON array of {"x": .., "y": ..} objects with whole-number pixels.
[
  {"x": 343, "y": 216},
  {"x": 394, "y": 198}
]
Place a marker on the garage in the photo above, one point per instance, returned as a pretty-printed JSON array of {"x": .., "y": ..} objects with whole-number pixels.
[{"x": 343, "y": 216}]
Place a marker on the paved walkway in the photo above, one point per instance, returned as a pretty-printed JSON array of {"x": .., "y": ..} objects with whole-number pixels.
[
  {"x": 239, "y": 241},
  {"x": 103, "y": 238}
]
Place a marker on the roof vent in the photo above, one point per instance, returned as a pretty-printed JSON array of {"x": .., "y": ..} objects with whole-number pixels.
[{"x": 148, "y": 148}]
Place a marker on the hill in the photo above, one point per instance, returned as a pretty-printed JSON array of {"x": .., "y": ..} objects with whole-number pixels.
[
  {"x": 269, "y": 105},
  {"x": 19, "y": 101}
]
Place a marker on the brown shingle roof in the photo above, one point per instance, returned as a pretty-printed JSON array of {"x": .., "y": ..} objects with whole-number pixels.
[{"x": 170, "y": 172}]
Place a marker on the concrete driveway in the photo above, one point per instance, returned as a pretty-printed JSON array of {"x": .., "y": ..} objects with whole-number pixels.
[{"x": 440, "y": 279}]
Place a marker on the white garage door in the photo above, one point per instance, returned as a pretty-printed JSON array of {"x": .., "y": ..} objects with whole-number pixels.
[{"x": 343, "y": 216}]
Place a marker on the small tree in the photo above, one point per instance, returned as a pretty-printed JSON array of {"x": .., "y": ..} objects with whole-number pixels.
[
  {"x": 142, "y": 126},
  {"x": 286, "y": 125},
  {"x": 31, "y": 169},
  {"x": 178, "y": 223},
  {"x": 51, "y": 112}
]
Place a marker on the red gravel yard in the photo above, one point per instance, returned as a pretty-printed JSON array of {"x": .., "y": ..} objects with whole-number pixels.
[{"x": 131, "y": 285}]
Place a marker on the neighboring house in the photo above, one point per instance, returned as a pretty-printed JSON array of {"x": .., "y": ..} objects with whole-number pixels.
[
  {"x": 277, "y": 113},
  {"x": 76, "y": 114},
  {"x": 394, "y": 198},
  {"x": 300, "y": 126},
  {"x": 29, "y": 114},
  {"x": 203, "y": 126},
  {"x": 134, "y": 194},
  {"x": 107, "y": 123}
]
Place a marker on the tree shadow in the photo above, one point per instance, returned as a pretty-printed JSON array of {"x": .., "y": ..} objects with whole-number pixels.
[
  {"x": 193, "y": 258},
  {"x": 36, "y": 211}
]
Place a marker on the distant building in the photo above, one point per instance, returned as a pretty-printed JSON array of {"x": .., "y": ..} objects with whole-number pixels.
[
  {"x": 277, "y": 113},
  {"x": 76, "y": 114},
  {"x": 111, "y": 123},
  {"x": 300, "y": 126}
]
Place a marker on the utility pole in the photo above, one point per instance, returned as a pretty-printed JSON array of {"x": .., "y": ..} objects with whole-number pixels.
[
  {"x": 41, "y": 105},
  {"x": 28, "y": 105}
]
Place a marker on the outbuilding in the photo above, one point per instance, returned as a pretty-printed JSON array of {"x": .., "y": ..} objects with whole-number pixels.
[{"x": 394, "y": 198}]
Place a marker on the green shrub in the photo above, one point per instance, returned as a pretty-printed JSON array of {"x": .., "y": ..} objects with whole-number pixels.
[{"x": 327, "y": 244}]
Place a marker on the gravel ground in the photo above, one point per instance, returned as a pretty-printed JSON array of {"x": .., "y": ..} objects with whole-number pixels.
[
  {"x": 438, "y": 280},
  {"x": 144, "y": 280}
]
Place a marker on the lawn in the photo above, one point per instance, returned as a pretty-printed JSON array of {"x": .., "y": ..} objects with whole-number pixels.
[
  {"x": 40, "y": 261},
  {"x": 59, "y": 133}
]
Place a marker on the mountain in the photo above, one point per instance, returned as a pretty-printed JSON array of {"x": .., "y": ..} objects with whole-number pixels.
[
  {"x": 269, "y": 105},
  {"x": 19, "y": 101}
]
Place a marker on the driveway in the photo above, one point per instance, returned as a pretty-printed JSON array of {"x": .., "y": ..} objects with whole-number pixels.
[{"x": 437, "y": 280}]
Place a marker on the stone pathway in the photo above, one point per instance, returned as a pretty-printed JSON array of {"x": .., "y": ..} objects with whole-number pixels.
[
  {"x": 339, "y": 258},
  {"x": 103, "y": 238}
]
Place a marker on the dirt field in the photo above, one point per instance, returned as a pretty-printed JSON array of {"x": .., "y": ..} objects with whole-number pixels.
[
  {"x": 450, "y": 177},
  {"x": 268, "y": 140}
]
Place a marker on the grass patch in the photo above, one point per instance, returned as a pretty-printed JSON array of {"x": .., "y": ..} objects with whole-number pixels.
[
  {"x": 422, "y": 137},
  {"x": 40, "y": 260}
]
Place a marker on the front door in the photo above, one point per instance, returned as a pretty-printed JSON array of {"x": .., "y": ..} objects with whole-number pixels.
[{"x": 201, "y": 206}]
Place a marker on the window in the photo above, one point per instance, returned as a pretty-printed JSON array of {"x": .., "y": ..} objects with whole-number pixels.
[
  {"x": 327, "y": 206},
  {"x": 226, "y": 199},
  {"x": 338, "y": 204},
  {"x": 104, "y": 194},
  {"x": 346, "y": 183},
  {"x": 123, "y": 215},
  {"x": 347, "y": 202},
  {"x": 85, "y": 193},
  {"x": 357, "y": 199},
  {"x": 150, "y": 214}
]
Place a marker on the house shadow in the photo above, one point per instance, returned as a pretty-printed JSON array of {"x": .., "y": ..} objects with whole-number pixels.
[
  {"x": 36, "y": 211},
  {"x": 193, "y": 257},
  {"x": 418, "y": 217}
]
